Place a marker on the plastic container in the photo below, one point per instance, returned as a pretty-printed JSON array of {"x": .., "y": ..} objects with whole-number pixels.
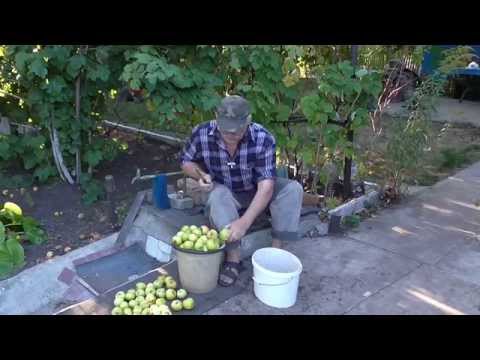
[
  {"x": 160, "y": 193},
  {"x": 198, "y": 272},
  {"x": 276, "y": 274}
]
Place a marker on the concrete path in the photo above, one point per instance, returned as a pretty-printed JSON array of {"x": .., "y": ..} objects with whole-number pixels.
[
  {"x": 422, "y": 257},
  {"x": 448, "y": 110}
]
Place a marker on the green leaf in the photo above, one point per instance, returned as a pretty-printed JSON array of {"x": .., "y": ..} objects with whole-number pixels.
[
  {"x": 44, "y": 173},
  {"x": 16, "y": 252},
  {"x": 93, "y": 157},
  {"x": 75, "y": 64},
  {"x": 283, "y": 112},
  {"x": 39, "y": 67},
  {"x": 6, "y": 265},
  {"x": 2, "y": 233},
  {"x": 21, "y": 59}
]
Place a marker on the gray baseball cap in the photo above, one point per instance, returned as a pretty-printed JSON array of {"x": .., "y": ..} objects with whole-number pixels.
[{"x": 233, "y": 113}]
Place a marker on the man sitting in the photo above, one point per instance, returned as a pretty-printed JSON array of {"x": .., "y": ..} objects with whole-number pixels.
[{"x": 236, "y": 159}]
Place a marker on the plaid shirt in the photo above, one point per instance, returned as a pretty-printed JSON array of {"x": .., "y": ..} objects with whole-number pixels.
[{"x": 254, "y": 160}]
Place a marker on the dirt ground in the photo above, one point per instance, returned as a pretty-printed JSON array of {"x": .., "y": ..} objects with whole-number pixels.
[
  {"x": 72, "y": 230},
  {"x": 463, "y": 140}
]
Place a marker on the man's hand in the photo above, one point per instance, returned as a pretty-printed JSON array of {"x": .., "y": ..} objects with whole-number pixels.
[
  {"x": 205, "y": 183},
  {"x": 238, "y": 229}
]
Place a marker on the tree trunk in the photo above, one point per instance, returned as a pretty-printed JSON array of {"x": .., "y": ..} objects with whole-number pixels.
[
  {"x": 78, "y": 168},
  {"x": 347, "y": 172}
]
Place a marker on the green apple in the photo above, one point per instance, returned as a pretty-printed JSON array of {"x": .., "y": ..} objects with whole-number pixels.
[
  {"x": 186, "y": 228},
  {"x": 198, "y": 245},
  {"x": 160, "y": 301},
  {"x": 157, "y": 284},
  {"x": 193, "y": 227},
  {"x": 193, "y": 237},
  {"x": 176, "y": 305},
  {"x": 140, "y": 292},
  {"x": 197, "y": 232},
  {"x": 144, "y": 304},
  {"x": 120, "y": 294},
  {"x": 150, "y": 298},
  {"x": 161, "y": 280},
  {"x": 137, "y": 310},
  {"x": 185, "y": 236},
  {"x": 187, "y": 245},
  {"x": 188, "y": 303},
  {"x": 165, "y": 310},
  {"x": 170, "y": 283},
  {"x": 150, "y": 291},
  {"x": 205, "y": 229},
  {"x": 117, "y": 311},
  {"x": 132, "y": 291},
  {"x": 177, "y": 241},
  {"x": 127, "y": 311},
  {"x": 140, "y": 285},
  {"x": 118, "y": 301},
  {"x": 181, "y": 294},
  {"x": 212, "y": 245},
  {"x": 204, "y": 238},
  {"x": 123, "y": 305},
  {"x": 130, "y": 295},
  {"x": 160, "y": 293},
  {"x": 132, "y": 303},
  {"x": 155, "y": 310},
  {"x": 212, "y": 234},
  {"x": 179, "y": 235},
  {"x": 170, "y": 294},
  {"x": 140, "y": 299},
  {"x": 146, "y": 311},
  {"x": 224, "y": 234}
]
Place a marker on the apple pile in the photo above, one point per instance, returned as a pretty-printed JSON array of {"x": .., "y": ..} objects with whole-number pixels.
[
  {"x": 200, "y": 239},
  {"x": 152, "y": 298}
]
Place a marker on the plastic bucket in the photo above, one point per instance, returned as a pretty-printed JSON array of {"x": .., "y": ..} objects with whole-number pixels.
[
  {"x": 198, "y": 272},
  {"x": 276, "y": 274}
]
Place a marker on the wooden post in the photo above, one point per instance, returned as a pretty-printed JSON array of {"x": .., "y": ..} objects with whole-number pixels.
[
  {"x": 110, "y": 189},
  {"x": 347, "y": 170},
  {"x": 78, "y": 168}
]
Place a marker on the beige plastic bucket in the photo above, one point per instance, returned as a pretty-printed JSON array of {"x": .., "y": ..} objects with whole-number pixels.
[{"x": 198, "y": 272}]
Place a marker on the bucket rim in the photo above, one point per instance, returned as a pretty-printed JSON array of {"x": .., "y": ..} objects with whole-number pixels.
[
  {"x": 188, "y": 251},
  {"x": 278, "y": 274}
]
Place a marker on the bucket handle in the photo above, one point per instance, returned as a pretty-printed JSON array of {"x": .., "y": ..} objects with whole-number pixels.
[{"x": 285, "y": 283}]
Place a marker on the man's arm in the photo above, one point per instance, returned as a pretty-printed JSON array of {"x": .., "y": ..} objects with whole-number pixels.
[
  {"x": 190, "y": 169},
  {"x": 260, "y": 201}
]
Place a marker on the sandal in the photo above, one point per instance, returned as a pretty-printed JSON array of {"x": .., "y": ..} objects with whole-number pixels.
[{"x": 231, "y": 271}]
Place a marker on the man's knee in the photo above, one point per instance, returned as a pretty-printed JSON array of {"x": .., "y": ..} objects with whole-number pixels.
[
  {"x": 219, "y": 195},
  {"x": 293, "y": 190}
]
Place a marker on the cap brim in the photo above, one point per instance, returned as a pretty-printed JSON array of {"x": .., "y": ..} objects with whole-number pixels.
[{"x": 229, "y": 125}]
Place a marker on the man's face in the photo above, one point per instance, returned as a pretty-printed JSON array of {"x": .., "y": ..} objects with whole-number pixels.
[{"x": 233, "y": 138}]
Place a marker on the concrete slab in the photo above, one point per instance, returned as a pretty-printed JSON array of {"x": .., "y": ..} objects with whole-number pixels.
[
  {"x": 338, "y": 274},
  {"x": 397, "y": 231},
  {"x": 38, "y": 289},
  {"x": 463, "y": 262},
  {"x": 426, "y": 291}
]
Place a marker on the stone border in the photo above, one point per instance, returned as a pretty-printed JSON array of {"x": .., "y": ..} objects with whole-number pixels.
[{"x": 349, "y": 208}]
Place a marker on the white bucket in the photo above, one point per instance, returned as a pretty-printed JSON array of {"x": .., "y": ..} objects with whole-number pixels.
[{"x": 276, "y": 274}]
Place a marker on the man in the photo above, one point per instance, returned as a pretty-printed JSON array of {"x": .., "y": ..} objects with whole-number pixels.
[{"x": 236, "y": 158}]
